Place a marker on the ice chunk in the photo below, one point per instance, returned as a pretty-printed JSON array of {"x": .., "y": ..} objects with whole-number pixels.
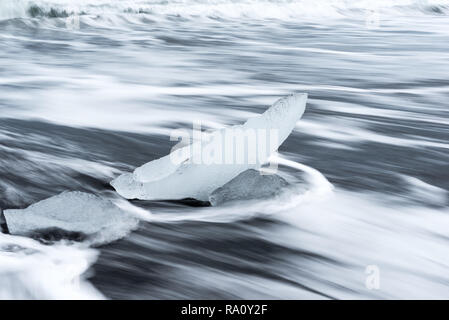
[
  {"x": 248, "y": 185},
  {"x": 180, "y": 175},
  {"x": 69, "y": 212}
]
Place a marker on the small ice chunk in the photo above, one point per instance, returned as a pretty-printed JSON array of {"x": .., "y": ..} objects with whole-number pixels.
[
  {"x": 70, "y": 212},
  {"x": 248, "y": 185},
  {"x": 179, "y": 175}
]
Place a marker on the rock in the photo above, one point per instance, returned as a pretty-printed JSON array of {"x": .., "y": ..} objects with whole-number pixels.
[{"x": 248, "y": 185}]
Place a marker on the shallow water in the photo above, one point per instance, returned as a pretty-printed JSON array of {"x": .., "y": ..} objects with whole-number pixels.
[{"x": 78, "y": 106}]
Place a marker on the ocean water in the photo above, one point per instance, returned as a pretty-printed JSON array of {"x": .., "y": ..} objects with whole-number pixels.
[{"x": 91, "y": 89}]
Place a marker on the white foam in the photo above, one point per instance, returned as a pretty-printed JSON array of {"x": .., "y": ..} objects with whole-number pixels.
[
  {"x": 30, "y": 270},
  {"x": 406, "y": 242}
]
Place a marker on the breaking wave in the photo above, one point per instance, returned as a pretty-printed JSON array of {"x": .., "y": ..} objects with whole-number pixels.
[{"x": 264, "y": 9}]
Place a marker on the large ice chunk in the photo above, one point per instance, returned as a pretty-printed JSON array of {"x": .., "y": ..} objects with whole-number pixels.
[
  {"x": 186, "y": 174},
  {"x": 71, "y": 212},
  {"x": 248, "y": 185}
]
